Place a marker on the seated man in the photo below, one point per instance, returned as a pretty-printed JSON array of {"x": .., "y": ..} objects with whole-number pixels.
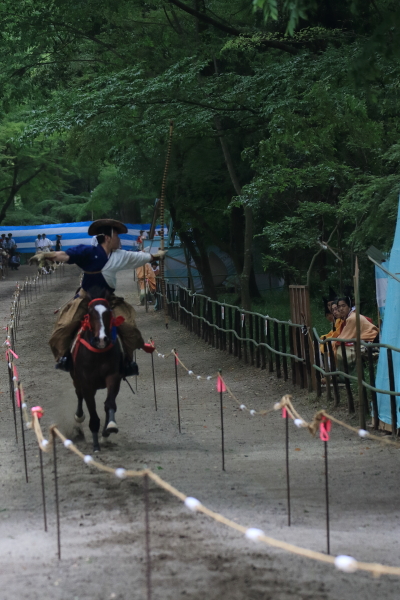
[
  {"x": 368, "y": 333},
  {"x": 100, "y": 265},
  {"x": 15, "y": 262},
  {"x": 337, "y": 325}
]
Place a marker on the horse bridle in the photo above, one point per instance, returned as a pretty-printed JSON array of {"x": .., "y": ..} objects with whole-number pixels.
[{"x": 86, "y": 327}]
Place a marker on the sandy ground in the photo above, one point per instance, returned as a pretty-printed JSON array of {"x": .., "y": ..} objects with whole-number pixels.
[{"x": 102, "y": 518}]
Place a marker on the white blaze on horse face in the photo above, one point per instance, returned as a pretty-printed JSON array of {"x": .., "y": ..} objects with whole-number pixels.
[{"x": 100, "y": 310}]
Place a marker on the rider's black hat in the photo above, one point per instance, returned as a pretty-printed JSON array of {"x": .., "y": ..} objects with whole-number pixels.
[{"x": 97, "y": 226}]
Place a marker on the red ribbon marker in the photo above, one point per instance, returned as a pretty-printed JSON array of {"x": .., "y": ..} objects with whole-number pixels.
[
  {"x": 149, "y": 348},
  {"x": 13, "y": 353},
  {"x": 284, "y": 412},
  {"x": 221, "y": 387},
  {"x": 324, "y": 429},
  {"x": 117, "y": 321},
  {"x": 38, "y": 411}
]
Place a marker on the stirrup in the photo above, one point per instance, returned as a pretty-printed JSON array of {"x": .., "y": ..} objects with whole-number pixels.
[
  {"x": 64, "y": 363},
  {"x": 130, "y": 369}
]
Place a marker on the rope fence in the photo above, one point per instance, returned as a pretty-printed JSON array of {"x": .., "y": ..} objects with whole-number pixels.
[
  {"x": 262, "y": 341},
  {"x": 30, "y": 420}
]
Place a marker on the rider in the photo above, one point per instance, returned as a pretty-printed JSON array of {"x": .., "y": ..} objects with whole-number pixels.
[{"x": 100, "y": 265}]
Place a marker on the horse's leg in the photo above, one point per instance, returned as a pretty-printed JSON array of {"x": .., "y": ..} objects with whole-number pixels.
[
  {"x": 94, "y": 421},
  {"x": 113, "y": 383},
  {"x": 79, "y": 414}
]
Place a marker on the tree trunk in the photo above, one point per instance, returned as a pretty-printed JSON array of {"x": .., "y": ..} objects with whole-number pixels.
[
  {"x": 198, "y": 252},
  {"x": 15, "y": 187},
  {"x": 248, "y": 219},
  {"x": 199, "y": 255}
]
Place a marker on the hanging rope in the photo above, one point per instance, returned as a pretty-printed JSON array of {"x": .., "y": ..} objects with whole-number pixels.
[{"x": 162, "y": 220}]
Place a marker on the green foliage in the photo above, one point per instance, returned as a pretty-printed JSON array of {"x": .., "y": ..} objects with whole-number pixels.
[
  {"x": 294, "y": 10},
  {"x": 303, "y": 93}
]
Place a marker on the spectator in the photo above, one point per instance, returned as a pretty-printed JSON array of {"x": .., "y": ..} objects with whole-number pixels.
[
  {"x": 368, "y": 332},
  {"x": 147, "y": 282},
  {"x": 140, "y": 240},
  {"x": 156, "y": 270},
  {"x": 38, "y": 243},
  {"x": 47, "y": 245},
  {"x": 10, "y": 245},
  {"x": 14, "y": 262},
  {"x": 337, "y": 324},
  {"x": 58, "y": 243}
]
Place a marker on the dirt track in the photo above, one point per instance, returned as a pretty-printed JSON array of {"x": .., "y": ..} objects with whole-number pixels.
[{"x": 102, "y": 518}]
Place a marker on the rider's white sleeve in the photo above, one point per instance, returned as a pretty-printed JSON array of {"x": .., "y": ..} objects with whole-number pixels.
[{"x": 122, "y": 259}]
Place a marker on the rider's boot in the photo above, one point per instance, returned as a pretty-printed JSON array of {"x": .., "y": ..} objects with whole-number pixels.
[
  {"x": 129, "y": 369},
  {"x": 64, "y": 363}
]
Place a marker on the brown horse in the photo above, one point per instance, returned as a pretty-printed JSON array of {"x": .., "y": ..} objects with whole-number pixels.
[{"x": 97, "y": 364}]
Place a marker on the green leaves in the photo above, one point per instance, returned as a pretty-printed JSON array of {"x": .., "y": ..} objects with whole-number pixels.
[{"x": 292, "y": 10}]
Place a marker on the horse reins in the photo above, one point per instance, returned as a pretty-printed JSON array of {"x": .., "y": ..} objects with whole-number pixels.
[{"x": 86, "y": 327}]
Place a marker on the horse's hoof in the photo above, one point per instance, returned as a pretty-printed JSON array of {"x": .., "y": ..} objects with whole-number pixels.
[
  {"x": 105, "y": 433},
  {"x": 79, "y": 419},
  {"x": 111, "y": 427}
]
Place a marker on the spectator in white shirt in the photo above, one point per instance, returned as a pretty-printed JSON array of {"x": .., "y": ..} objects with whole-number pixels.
[{"x": 47, "y": 244}]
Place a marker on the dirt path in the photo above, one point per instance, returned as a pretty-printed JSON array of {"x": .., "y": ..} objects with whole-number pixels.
[{"x": 102, "y": 518}]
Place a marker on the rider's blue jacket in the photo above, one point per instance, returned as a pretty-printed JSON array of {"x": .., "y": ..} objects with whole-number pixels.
[{"x": 100, "y": 270}]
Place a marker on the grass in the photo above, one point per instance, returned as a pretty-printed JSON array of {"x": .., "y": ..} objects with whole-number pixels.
[{"x": 276, "y": 303}]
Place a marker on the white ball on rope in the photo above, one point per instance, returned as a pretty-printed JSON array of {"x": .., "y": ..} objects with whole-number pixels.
[
  {"x": 345, "y": 563},
  {"x": 198, "y": 377},
  {"x": 190, "y": 372},
  {"x": 209, "y": 377},
  {"x": 192, "y": 503},
  {"x": 24, "y": 405},
  {"x": 120, "y": 473},
  {"x": 242, "y": 407},
  {"x": 88, "y": 459},
  {"x": 252, "y": 412},
  {"x": 45, "y": 443},
  {"x": 68, "y": 443},
  {"x": 363, "y": 433},
  {"x": 254, "y": 534},
  {"x": 277, "y": 406},
  {"x": 299, "y": 422}
]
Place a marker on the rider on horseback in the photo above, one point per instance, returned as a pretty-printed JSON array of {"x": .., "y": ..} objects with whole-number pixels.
[{"x": 100, "y": 265}]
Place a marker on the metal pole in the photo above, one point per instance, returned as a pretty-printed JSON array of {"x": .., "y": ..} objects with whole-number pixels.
[
  {"x": 56, "y": 495},
  {"x": 135, "y": 375},
  {"x": 147, "y": 529},
  {"x": 12, "y": 397},
  {"x": 363, "y": 424},
  {"x": 154, "y": 379},
  {"x": 328, "y": 545},
  {"x": 287, "y": 467},
  {"x": 43, "y": 490},
  {"x": 392, "y": 385},
  {"x": 222, "y": 422},
  {"x": 177, "y": 390},
  {"x": 22, "y": 429}
]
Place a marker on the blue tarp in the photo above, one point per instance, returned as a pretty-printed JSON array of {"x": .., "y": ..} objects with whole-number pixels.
[
  {"x": 72, "y": 234},
  {"x": 390, "y": 333}
]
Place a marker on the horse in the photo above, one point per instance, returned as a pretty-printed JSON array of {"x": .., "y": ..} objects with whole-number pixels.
[{"x": 97, "y": 357}]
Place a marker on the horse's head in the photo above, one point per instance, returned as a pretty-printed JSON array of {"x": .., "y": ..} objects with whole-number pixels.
[{"x": 100, "y": 321}]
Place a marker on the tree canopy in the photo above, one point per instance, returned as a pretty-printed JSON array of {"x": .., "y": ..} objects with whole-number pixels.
[{"x": 286, "y": 122}]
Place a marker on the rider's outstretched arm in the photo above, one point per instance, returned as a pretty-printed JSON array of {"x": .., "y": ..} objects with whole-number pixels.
[{"x": 59, "y": 256}]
